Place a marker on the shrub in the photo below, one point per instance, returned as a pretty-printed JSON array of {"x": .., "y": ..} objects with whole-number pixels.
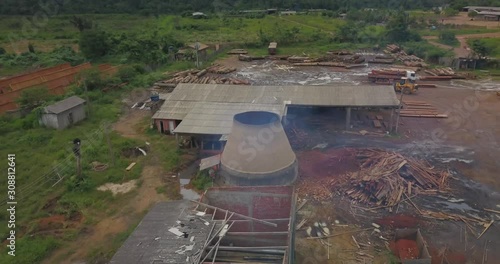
[{"x": 448, "y": 38}]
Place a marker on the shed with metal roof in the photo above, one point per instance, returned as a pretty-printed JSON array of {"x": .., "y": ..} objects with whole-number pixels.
[{"x": 64, "y": 113}]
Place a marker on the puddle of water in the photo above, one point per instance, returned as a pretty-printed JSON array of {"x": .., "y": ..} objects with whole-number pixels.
[
  {"x": 459, "y": 206},
  {"x": 188, "y": 194},
  {"x": 448, "y": 160}
]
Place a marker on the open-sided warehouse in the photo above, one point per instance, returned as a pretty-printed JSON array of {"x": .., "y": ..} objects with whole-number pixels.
[{"x": 207, "y": 110}]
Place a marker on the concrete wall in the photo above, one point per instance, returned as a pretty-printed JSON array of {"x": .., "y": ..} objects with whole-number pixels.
[
  {"x": 166, "y": 126},
  {"x": 61, "y": 120},
  {"x": 282, "y": 177},
  {"x": 50, "y": 120},
  {"x": 263, "y": 202}
]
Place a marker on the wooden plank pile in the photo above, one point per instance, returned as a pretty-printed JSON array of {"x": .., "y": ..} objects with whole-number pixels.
[
  {"x": 420, "y": 109},
  {"x": 237, "y": 51},
  {"x": 219, "y": 69},
  {"x": 326, "y": 64},
  {"x": 384, "y": 177},
  {"x": 197, "y": 76},
  {"x": 440, "y": 74},
  {"x": 392, "y": 48},
  {"x": 409, "y": 60}
]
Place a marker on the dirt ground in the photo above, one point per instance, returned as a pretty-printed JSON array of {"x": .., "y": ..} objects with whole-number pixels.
[
  {"x": 133, "y": 206},
  {"x": 463, "y": 19}
]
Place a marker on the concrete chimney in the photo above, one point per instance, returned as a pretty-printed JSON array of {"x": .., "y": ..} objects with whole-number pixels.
[{"x": 258, "y": 152}]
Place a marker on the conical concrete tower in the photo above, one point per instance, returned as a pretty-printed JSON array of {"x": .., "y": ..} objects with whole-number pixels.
[{"x": 258, "y": 152}]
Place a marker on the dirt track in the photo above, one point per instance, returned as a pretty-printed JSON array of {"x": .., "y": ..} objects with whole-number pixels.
[
  {"x": 463, "y": 19},
  {"x": 463, "y": 51}
]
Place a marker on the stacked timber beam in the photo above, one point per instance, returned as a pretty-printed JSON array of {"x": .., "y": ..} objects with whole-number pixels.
[
  {"x": 441, "y": 74},
  {"x": 386, "y": 76},
  {"x": 384, "y": 177},
  {"x": 202, "y": 77},
  {"x": 330, "y": 60},
  {"x": 420, "y": 109},
  {"x": 409, "y": 60}
]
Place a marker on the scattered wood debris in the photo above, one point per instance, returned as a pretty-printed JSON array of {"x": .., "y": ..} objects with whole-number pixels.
[
  {"x": 202, "y": 77},
  {"x": 385, "y": 176},
  {"x": 420, "y": 109},
  {"x": 219, "y": 69},
  {"x": 98, "y": 166}
]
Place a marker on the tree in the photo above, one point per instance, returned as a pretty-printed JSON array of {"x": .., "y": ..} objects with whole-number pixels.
[
  {"x": 81, "y": 23},
  {"x": 347, "y": 33},
  {"x": 448, "y": 38},
  {"x": 94, "y": 43},
  {"x": 472, "y": 14},
  {"x": 450, "y": 12},
  {"x": 33, "y": 97},
  {"x": 397, "y": 28},
  {"x": 480, "y": 48}
]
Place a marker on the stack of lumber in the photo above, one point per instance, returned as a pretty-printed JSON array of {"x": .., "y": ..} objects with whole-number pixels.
[
  {"x": 420, "y": 109},
  {"x": 197, "y": 76},
  {"x": 384, "y": 177},
  {"x": 392, "y": 48},
  {"x": 219, "y": 69},
  {"x": 408, "y": 60},
  {"x": 441, "y": 74},
  {"x": 243, "y": 57},
  {"x": 382, "y": 61},
  {"x": 327, "y": 64},
  {"x": 237, "y": 51},
  {"x": 295, "y": 59}
]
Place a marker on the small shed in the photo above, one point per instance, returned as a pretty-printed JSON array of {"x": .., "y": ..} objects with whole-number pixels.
[
  {"x": 272, "y": 48},
  {"x": 64, "y": 113}
]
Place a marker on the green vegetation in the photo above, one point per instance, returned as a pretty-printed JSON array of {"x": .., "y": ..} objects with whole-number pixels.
[
  {"x": 448, "y": 38},
  {"x": 41, "y": 153},
  {"x": 201, "y": 181},
  {"x": 486, "y": 47}
]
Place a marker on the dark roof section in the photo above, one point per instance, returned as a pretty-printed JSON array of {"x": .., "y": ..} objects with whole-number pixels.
[
  {"x": 152, "y": 242},
  {"x": 64, "y": 105}
]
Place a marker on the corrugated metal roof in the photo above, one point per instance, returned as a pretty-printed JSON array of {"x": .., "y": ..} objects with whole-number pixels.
[
  {"x": 151, "y": 242},
  {"x": 209, "y": 162},
  {"x": 314, "y": 95},
  {"x": 209, "y": 108},
  {"x": 64, "y": 105},
  {"x": 217, "y": 118}
]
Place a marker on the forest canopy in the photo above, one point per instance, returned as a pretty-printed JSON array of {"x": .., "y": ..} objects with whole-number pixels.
[{"x": 27, "y": 7}]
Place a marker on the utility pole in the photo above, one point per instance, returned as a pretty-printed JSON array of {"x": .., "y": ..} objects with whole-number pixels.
[
  {"x": 399, "y": 110},
  {"x": 110, "y": 147},
  {"x": 196, "y": 47},
  {"x": 76, "y": 150}
]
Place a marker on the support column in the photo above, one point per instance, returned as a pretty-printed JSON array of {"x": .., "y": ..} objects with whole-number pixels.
[
  {"x": 390, "y": 123},
  {"x": 348, "y": 118}
]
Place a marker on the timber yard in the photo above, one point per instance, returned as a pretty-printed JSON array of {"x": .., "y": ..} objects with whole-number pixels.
[
  {"x": 350, "y": 156},
  {"x": 357, "y": 189}
]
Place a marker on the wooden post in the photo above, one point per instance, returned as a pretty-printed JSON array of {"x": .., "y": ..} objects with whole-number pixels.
[
  {"x": 110, "y": 147},
  {"x": 399, "y": 112},
  {"x": 390, "y": 122},
  {"x": 348, "y": 118}
]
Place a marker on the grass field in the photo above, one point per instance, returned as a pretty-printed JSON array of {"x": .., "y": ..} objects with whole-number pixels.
[
  {"x": 493, "y": 44},
  {"x": 41, "y": 151},
  {"x": 59, "y": 31}
]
